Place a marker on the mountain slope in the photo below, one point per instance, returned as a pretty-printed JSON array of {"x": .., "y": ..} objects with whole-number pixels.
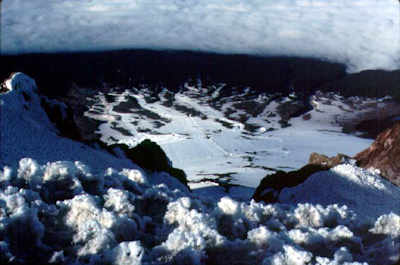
[
  {"x": 70, "y": 213},
  {"x": 26, "y": 131}
]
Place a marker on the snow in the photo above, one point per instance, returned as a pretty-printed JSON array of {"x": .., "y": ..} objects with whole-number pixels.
[
  {"x": 387, "y": 224},
  {"x": 126, "y": 253},
  {"x": 206, "y": 149},
  {"x": 24, "y": 125},
  {"x": 129, "y": 220},
  {"x": 87, "y": 212},
  {"x": 290, "y": 255},
  {"x": 347, "y": 185}
]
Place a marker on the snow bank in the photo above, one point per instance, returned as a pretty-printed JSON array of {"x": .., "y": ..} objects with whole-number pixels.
[
  {"x": 122, "y": 219},
  {"x": 364, "y": 192}
]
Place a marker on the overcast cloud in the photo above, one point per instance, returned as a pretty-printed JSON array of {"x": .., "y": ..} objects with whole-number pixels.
[{"x": 364, "y": 34}]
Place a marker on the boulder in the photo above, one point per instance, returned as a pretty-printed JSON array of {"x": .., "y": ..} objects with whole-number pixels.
[{"x": 270, "y": 186}]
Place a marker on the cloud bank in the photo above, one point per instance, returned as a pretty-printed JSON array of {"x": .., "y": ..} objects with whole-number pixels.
[{"x": 363, "y": 34}]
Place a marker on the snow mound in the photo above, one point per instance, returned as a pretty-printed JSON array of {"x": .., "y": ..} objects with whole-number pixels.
[
  {"x": 364, "y": 192},
  {"x": 23, "y": 98},
  {"x": 118, "y": 217}
]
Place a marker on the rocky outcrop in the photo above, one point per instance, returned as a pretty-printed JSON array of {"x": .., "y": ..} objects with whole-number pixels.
[
  {"x": 148, "y": 155},
  {"x": 329, "y": 162},
  {"x": 62, "y": 116},
  {"x": 270, "y": 186},
  {"x": 384, "y": 154}
]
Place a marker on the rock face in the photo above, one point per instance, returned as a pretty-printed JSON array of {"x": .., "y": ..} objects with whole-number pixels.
[
  {"x": 384, "y": 154},
  {"x": 329, "y": 162}
]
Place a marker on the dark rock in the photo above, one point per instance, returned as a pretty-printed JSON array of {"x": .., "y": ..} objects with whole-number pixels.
[
  {"x": 170, "y": 69},
  {"x": 306, "y": 117},
  {"x": 370, "y": 83},
  {"x": 373, "y": 127},
  {"x": 384, "y": 154},
  {"x": 62, "y": 116},
  {"x": 270, "y": 186},
  {"x": 150, "y": 156}
]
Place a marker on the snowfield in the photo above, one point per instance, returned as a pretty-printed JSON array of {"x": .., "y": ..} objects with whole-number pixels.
[
  {"x": 205, "y": 135},
  {"x": 72, "y": 212}
]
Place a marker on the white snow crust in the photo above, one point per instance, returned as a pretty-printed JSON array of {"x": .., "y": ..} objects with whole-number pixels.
[
  {"x": 123, "y": 220},
  {"x": 347, "y": 185}
]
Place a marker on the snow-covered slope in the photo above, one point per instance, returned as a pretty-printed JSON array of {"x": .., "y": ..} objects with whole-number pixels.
[
  {"x": 26, "y": 131},
  {"x": 74, "y": 212}
]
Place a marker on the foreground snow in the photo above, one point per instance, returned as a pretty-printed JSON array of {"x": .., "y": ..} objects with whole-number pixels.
[
  {"x": 367, "y": 192},
  {"x": 65, "y": 212}
]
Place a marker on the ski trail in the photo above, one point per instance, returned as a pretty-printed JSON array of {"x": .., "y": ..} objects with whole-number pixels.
[{"x": 217, "y": 146}]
